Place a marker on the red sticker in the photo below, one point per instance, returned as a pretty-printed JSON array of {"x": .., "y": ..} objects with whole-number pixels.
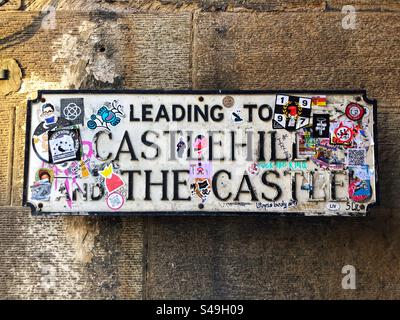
[
  {"x": 342, "y": 133},
  {"x": 354, "y": 111}
]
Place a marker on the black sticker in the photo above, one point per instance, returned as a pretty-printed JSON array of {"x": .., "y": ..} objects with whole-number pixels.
[
  {"x": 64, "y": 145},
  {"x": 236, "y": 117},
  {"x": 291, "y": 113},
  {"x": 320, "y": 126},
  {"x": 73, "y": 110}
]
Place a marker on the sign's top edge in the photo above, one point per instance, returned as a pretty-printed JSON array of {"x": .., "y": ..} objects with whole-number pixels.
[
  {"x": 361, "y": 92},
  {"x": 202, "y": 91}
]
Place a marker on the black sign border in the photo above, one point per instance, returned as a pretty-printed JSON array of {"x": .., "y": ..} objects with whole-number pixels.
[{"x": 361, "y": 92}]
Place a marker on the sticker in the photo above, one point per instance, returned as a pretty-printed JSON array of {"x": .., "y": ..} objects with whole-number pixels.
[
  {"x": 48, "y": 114},
  {"x": 253, "y": 169},
  {"x": 84, "y": 170},
  {"x": 50, "y": 121},
  {"x": 74, "y": 169},
  {"x": 328, "y": 158},
  {"x": 362, "y": 172},
  {"x": 200, "y": 169},
  {"x": 45, "y": 174},
  {"x": 291, "y": 113},
  {"x": 326, "y": 143},
  {"x": 228, "y": 101},
  {"x": 201, "y": 187},
  {"x": 200, "y": 143},
  {"x": 180, "y": 147},
  {"x": 306, "y": 143},
  {"x": 363, "y": 138},
  {"x": 41, "y": 188},
  {"x": 320, "y": 125},
  {"x": 342, "y": 133},
  {"x": 236, "y": 116},
  {"x": 354, "y": 111},
  {"x": 112, "y": 181},
  {"x": 64, "y": 145},
  {"x": 115, "y": 200},
  {"x": 359, "y": 184},
  {"x": 319, "y": 101},
  {"x": 356, "y": 157},
  {"x": 106, "y": 116},
  {"x": 73, "y": 110},
  {"x": 333, "y": 206}
]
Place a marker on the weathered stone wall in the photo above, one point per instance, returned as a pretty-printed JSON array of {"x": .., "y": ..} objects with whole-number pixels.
[{"x": 213, "y": 44}]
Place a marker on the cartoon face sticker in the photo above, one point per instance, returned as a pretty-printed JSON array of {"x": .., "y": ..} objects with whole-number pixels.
[
  {"x": 45, "y": 174},
  {"x": 48, "y": 114},
  {"x": 50, "y": 121}
]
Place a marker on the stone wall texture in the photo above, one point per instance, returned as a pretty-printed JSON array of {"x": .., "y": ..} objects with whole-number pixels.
[{"x": 197, "y": 44}]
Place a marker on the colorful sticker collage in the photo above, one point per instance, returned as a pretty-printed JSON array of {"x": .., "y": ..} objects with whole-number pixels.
[
  {"x": 66, "y": 158},
  {"x": 337, "y": 138}
]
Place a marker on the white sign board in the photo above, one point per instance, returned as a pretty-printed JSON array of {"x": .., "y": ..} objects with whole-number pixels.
[{"x": 200, "y": 152}]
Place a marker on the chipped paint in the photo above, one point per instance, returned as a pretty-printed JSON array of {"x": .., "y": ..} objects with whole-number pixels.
[{"x": 82, "y": 56}]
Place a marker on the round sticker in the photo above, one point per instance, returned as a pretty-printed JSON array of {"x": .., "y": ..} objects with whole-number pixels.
[
  {"x": 354, "y": 111},
  {"x": 228, "y": 101},
  {"x": 115, "y": 200},
  {"x": 253, "y": 169},
  {"x": 343, "y": 134}
]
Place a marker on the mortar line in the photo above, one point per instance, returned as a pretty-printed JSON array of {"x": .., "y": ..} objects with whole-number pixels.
[
  {"x": 145, "y": 256},
  {"x": 192, "y": 50},
  {"x": 11, "y": 172}
]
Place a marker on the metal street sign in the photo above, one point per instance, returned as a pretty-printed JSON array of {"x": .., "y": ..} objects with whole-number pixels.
[{"x": 201, "y": 152}]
